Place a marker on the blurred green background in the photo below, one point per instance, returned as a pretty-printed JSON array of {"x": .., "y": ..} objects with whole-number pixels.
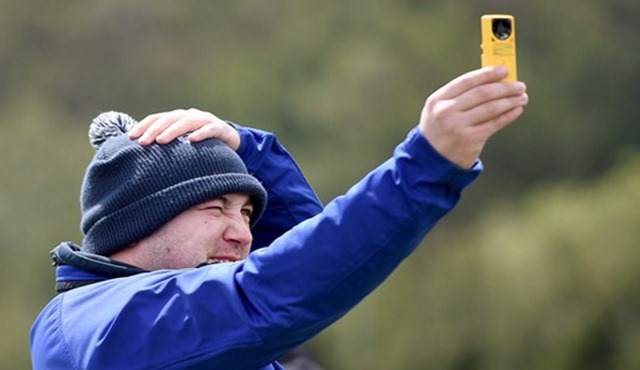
[{"x": 539, "y": 266}]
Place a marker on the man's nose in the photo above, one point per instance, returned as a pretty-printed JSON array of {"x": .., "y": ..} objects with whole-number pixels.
[{"x": 238, "y": 232}]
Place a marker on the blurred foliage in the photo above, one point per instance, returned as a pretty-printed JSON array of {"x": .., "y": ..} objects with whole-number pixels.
[
  {"x": 535, "y": 269},
  {"x": 549, "y": 281}
]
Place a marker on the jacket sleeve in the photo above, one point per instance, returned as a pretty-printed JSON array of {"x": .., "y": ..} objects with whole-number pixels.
[
  {"x": 324, "y": 266},
  {"x": 290, "y": 197}
]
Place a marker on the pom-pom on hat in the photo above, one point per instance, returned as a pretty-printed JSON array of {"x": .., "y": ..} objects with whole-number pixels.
[{"x": 130, "y": 191}]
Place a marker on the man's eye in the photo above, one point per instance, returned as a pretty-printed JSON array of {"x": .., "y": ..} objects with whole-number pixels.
[
  {"x": 216, "y": 209},
  {"x": 247, "y": 213}
]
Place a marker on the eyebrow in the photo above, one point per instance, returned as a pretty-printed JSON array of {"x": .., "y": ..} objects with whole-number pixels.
[{"x": 227, "y": 202}]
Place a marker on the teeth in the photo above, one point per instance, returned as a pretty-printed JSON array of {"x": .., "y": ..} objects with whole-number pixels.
[{"x": 217, "y": 260}]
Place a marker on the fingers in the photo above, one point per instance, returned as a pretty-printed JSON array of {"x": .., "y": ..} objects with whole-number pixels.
[
  {"x": 167, "y": 126},
  {"x": 497, "y": 123},
  {"x": 470, "y": 80},
  {"x": 477, "y": 97},
  {"x": 490, "y": 107},
  {"x": 164, "y": 127},
  {"x": 223, "y": 132},
  {"x": 143, "y": 125},
  {"x": 486, "y": 93},
  {"x": 460, "y": 117}
]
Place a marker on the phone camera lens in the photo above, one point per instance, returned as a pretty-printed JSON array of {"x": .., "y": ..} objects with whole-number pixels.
[{"x": 501, "y": 28}]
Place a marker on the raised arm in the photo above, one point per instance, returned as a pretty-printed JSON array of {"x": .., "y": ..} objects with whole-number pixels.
[
  {"x": 324, "y": 266},
  {"x": 285, "y": 294}
]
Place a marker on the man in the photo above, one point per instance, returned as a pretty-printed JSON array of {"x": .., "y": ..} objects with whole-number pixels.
[{"x": 181, "y": 290}]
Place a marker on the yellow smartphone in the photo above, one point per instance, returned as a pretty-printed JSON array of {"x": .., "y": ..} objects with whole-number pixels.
[{"x": 499, "y": 42}]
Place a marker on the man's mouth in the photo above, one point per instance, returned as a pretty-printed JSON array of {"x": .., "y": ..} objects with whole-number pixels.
[{"x": 222, "y": 260}]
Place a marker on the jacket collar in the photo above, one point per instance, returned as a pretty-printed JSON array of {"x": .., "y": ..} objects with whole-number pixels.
[{"x": 76, "y": 268}]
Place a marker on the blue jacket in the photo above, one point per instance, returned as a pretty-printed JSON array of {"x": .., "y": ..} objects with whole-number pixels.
[{"x": 245, "y": 315}]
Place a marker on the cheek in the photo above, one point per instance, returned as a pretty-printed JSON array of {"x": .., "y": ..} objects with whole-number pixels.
[
  {"x": 245, "y": 251},
  {"x": 197, "y": 241},
  {"x": 190, "y": 246}
]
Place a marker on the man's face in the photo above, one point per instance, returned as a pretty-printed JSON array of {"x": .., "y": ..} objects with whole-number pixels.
[{"x": 215, "y": 231}]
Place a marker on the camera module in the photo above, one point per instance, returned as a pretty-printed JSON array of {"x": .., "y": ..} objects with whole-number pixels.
[{"x": 501, "y": 28}]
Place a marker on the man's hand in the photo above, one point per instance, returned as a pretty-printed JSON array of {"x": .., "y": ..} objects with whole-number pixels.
[
  {"x": 166, "y": 126},
  {"x": 460, "y": 117}
]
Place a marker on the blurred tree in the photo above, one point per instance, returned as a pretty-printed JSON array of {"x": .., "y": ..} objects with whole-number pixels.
[{"x": 548, "y": 282}]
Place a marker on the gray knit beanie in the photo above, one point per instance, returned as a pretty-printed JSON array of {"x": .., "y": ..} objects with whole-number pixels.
[{"x": 130, "y": 191}]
